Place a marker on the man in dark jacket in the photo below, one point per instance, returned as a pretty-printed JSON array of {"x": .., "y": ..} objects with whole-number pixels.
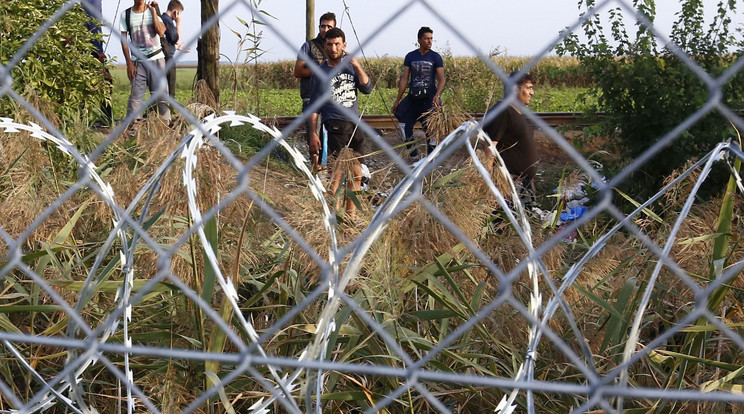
[
  {"x": 171, "y": 42},
  {"x": 313, "y": 49}
]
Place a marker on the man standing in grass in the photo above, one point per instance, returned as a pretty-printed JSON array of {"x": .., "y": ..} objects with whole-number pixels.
[
  {"x": 347, "y": 77},
  {"x": 514, "y": 136},
  {"x": 171, "y": 43},
  {"x": 424, "y": 73},
  {"x": 313, "y": 49},
  {"x": 142, "y": 25}
]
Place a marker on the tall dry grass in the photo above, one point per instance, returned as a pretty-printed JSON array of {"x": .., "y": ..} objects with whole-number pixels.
[{"x": 418, "y": 280}]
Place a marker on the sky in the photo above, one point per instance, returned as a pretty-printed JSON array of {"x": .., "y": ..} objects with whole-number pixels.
[{"x": 377, "y": 28}]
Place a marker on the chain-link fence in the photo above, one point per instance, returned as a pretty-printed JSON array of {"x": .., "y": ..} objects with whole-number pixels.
[{"x": 154, "y": 268}]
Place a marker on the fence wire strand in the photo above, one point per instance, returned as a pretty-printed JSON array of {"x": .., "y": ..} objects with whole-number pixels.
[{"x": 102, "y": 341}]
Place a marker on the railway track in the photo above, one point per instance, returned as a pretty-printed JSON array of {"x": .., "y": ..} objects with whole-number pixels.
[{"x": 388, "y": 122}]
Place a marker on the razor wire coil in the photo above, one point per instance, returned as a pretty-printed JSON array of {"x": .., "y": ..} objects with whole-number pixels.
[{"x": 288, "y": 380}]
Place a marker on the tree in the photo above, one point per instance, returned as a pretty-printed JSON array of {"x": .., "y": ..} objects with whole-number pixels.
[
  {"x": 208, "y": 49},
  {"x": 647, "y": 89},
  {"x": 309, "y": 19}
]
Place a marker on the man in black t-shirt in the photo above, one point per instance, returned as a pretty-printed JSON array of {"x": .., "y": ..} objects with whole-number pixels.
[{"x": 513, "y": 134}]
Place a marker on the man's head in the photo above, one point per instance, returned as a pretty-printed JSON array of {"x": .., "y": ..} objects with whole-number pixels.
[
  {"x": 335, "y": 43},
  {"x": 327, "y": 22},
  {"x": 425, "y": 38},
  {"x": 522, "y": 84},
  {"x": 175, "y": 5}
]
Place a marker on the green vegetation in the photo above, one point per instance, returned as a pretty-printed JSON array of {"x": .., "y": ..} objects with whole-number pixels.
[
  {"x": 471, "y": 87},
  {"x": 647, "y": 89},
  {"x": 418, "y": 281},
  {"x": 59, "y": 75}
]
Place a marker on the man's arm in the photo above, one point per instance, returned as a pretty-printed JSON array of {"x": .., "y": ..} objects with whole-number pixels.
[
  {"x": 366, "y": 86},
  {"x": 178, "y": 28},
  {"x": 301, "y": 70},
  {"x": 440, "y": 85},
  {"x": 314, "y": 142},
  {"x": 402, "y": 85},
  {"x": 131, "y": 69},
  {"x": 171, "y": 31},
  {"x": 156, "y": 20}
]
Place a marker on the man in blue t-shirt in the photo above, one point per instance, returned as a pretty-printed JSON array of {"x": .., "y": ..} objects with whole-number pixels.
[
  {"x": 94, "y": 9},
  {"x": 423, "y": 74},
  {"x": 348, "y": 78}
]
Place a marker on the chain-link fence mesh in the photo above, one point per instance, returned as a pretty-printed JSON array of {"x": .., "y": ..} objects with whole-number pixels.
[{"x": 170, "y": 274}]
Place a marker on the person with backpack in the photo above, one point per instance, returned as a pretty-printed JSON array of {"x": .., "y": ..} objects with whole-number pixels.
[{"x": 141, "y": 27}]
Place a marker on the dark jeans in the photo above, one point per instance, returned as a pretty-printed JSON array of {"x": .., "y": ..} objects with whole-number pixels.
[{"x": 409, "y": 112}]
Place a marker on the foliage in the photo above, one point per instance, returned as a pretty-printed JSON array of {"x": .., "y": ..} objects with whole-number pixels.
[
  {"x": 253, "y": 51},
  {"x": 59, "y": 68},
  {"x": 648, "y": 89},
  {"x": 279, "y": 101}
]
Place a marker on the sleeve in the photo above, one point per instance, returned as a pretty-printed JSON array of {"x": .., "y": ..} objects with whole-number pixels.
[
  {"x": 408, "y": 60},
  {"x": 304, "y": 52},
  {"x": 171, "y": 32},
  {"x": 438, "y": 61},
  {"x": 315, "y": 91},
  {"x": 497, "y": 126},
  {"x": 365, "y": 89},
  {"x": 123, "y": 22}
]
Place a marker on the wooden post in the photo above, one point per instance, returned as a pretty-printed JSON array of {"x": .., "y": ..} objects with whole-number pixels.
[
  {"x": 208, "y": 50},
  {"x": 309, "y": 19}
]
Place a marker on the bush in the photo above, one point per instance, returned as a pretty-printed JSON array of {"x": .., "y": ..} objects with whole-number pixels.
[
  {"x": 648, "y": 90},
  {"x": 59, "y": 68}
]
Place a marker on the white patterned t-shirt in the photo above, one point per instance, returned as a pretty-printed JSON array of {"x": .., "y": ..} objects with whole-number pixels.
[{"x": 143, "y": 33}]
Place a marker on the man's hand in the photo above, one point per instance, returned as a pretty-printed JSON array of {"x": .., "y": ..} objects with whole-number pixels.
[
  {"x": 353, "y": 61},
  {"x": 131, "y": 70},
  {"x": 314, "y": 144}
]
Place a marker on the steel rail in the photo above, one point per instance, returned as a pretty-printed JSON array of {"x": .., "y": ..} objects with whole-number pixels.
[{"x": 388, "y": 122}]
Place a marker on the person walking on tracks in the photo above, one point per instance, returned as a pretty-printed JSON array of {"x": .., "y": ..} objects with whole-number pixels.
[{"x": 514, "y": 136}]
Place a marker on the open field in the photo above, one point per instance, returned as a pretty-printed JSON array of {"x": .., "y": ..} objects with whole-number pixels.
[{"x": 286, "y": 101}]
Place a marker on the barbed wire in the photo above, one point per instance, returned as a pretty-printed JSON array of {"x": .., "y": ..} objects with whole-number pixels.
[{"x": 286, "y": 379}]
